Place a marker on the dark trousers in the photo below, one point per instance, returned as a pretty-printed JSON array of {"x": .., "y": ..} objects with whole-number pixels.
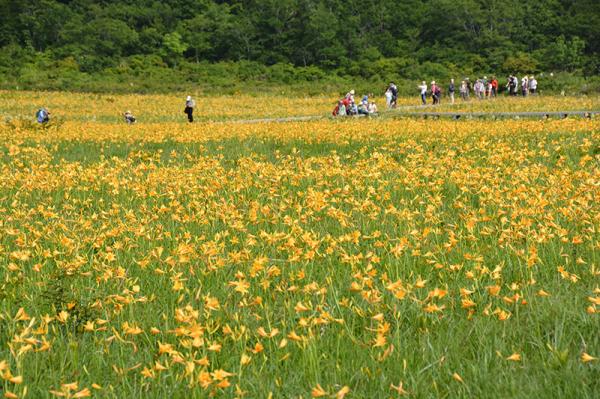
[{"x": 190, "y": 113}]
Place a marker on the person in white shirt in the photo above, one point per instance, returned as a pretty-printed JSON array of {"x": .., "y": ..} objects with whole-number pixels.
[
  {"x": 532, "y": 85},
  {"x": 372, "y": 108},
  {"x": 350, "y": 96},
  {"x": 388, "y": 98},
  {"x": 525, "y": 86},
  {"x": 423, "y": 88}
]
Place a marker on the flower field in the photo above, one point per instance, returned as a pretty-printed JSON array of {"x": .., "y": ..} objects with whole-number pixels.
[{"x": 338, "y": 259}]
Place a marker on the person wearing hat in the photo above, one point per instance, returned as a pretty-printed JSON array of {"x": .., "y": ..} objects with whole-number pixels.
[
  {"x": 532, "y": 85},
  {"x": 525, "y": 86},
  {"x": 129, "y": 118},
  {"x": 189, "y": 108},
  {"x": 350, "y": 96},
  {"x": 423, "y": 88},
  {"x": 363, "y": 107}
]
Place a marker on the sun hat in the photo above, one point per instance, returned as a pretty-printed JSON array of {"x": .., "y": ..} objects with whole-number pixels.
[{"x": 188, "y": 98}]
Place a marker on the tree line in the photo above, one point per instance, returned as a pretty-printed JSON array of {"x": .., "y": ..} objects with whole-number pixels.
[{"x": 333, "y": 35}]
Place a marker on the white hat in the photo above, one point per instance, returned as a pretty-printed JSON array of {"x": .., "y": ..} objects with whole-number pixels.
[
  {"x": 352, "y": 91},
  {"x": 188, "y": 98}
]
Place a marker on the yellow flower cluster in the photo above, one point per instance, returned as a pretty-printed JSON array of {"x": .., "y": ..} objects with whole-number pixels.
[{"x": 245, "y": 259}]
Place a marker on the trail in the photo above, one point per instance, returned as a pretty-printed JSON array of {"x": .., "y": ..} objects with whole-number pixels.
[{"x": 402, "y": 112}]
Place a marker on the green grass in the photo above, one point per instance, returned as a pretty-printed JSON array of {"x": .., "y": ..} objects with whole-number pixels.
[{"x": 101, "y": 194}]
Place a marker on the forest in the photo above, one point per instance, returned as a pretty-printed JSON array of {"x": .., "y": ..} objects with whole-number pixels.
[{"x": 52, "y": 43}]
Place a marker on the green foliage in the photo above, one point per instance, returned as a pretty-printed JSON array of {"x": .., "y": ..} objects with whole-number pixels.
[
  {"x": 275, "y": 40},
  {"x": 521, "y": 62},
  {"x": 173, "y": 47}
]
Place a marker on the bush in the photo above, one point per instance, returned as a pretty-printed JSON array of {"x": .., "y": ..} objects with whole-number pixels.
[{"x": 148, "y": 73}]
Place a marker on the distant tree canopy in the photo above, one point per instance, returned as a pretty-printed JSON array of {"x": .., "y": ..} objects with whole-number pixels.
[{"x": 332, "y": 34}]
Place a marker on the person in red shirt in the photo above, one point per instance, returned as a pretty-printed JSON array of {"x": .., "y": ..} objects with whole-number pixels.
[{"x": 494, "y": 86}]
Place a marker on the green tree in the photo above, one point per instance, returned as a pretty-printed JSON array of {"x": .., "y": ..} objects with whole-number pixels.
[
  {"x": 565, "y": 54},
  {"x": 173, "y": 47}
]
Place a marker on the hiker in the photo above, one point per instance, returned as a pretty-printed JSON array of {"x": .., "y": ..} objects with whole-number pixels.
[
  {"x": 525, "y": 86},
  {"x": 469, "y": 87},
  {"x": 451, "y": 90},
  {"x": 129, "y": 118},
  {"x": 189, "y": 108},
  {"x": 336, "y": 109},
  {"x": 372, "y": 108},
  {"x": 341, "y": 109},
  {"x": 43, "y": 115},
  {"x": 351, "y": 108},
  {"x": 435, "y": 92},
  {"x": 512, "y": 85},
  {"x": 388, "y": 98},
  {"x": 485, "y": 84},
  {"x": 478, "y": 89},
  {"x": 363, "y": 107},
  {"x": 423, "y": 88},
  {"x": 532, "y": 85},
  {"x": 394, "y": 90},
  {"x": 463, "y": 91},
  {"x": 350, "y": 96},
  {"x": 494, "y": 84}
]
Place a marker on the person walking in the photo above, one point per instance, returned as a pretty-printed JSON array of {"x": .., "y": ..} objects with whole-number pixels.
[
  {"x": 532, "y": 85},
  {"x": 463, "y": 90},
  {"x": 435, "y": 93},
  {"x": 189, "y": 108},
  {"x": 484, "y": 83},
  {"x": 494, "y": 86},
  {"x": 394, "y": 90},
  {"x": 388, "y": 98},
  {"x": 478, "y": 88},
  {"x": 512, "y": 85},
  {"x": 525, "y": 86},
  {"x": 451, "y": 90},
  {"x": 469, "y": 87},
  {"x": 423, "y": 88}
]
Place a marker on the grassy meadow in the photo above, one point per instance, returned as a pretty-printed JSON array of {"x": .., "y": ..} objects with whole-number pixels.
[{"x": 350, "y": 258}]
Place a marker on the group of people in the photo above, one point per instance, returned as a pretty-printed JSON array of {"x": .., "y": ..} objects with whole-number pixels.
[
  {"x": 347, "y": 106},
  {"x": 528, "y": 85},
  {"x": 43, "y": 115},
  {"x": 482, "y": 88}
]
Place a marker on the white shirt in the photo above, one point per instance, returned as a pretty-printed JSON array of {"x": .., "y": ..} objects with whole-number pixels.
[{"x": 423, "y": 89}]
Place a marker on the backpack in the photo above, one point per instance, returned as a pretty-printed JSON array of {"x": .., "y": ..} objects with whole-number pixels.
[{"x": 41, "y": 115}]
